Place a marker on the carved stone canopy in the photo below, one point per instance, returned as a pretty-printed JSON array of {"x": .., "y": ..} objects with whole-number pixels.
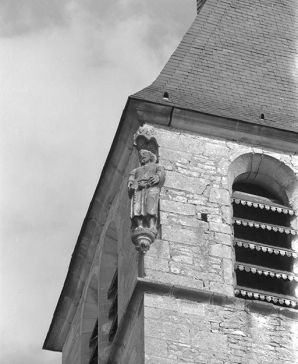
[{"x": 145, "y": 139}]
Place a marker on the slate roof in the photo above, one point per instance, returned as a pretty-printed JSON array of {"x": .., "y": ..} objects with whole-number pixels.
[{"x": 239, "y": 60}]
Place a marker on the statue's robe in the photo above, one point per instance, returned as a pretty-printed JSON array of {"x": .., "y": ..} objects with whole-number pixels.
[{"x": 145, "y": 198}]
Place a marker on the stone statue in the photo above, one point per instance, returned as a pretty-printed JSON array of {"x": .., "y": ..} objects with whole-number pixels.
[{"x": 144, "y": 184}]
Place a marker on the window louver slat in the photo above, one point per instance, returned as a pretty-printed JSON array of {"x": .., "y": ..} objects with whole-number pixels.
[{"x": 265, "y": 264}]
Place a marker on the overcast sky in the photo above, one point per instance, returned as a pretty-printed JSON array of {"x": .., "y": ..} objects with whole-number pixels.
[{"x": 66, "y": 70}]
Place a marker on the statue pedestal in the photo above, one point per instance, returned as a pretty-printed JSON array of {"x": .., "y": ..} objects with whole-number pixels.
[{"x": 143, "y": 237}]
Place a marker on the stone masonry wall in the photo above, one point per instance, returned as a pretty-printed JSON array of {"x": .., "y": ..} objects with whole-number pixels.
[
  {"x": 129, "y": 345},
  {"x": 180, "y": 331},
  {"x": 195, "y": 249}
]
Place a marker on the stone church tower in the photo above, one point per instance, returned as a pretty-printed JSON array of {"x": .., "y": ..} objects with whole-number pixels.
[{"x": 197, "y": 262}]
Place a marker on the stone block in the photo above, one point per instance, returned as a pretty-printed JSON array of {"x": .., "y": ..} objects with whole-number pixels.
[
  {"x": 198, "y": 200},
  {"x": 219, "y": 196},
  {"x": 154, "y": 359},
  {"x": 216, "y": 150},
  {"x": 159, "y": 249},
  {"x": 174, "y": 155},
  {"x": 174, "y": 279},
  {"x": 182, "y": 220},
  {"x": 155, "y": 263},
  {"x": 179, "y": 235},
  {"x": 153, "y": 312},
  {"x": 187, "y": 172},
  {"x": 194, "y": 272},
  {"x": 181, "y": 258},
  {"x": 225, "y": 239},
  {"x": 211, "y": 342},
  {"x": 190, "y": 308},
  {"x": 220, "y": 227},
  {"x": 167, "y": 331},
  {"x": 180, "y": 142},
  {"x": 161, "y": 302},
  {"x": 221, "y": 251},
  {"x": 228, "y": 270},
  {"x": 177, "y": 207},
  {"x": 226, "y": 212},
  {"x": 182, "y": 182},
  {"x": 154, "y": 345}
]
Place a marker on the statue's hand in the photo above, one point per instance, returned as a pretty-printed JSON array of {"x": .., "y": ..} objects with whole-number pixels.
[
  {"x": 129, "y": 186},
  {"x": 153, "y": 180}
]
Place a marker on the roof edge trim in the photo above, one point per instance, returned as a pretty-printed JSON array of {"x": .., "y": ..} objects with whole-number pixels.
[{"x": 221, "y": 127}]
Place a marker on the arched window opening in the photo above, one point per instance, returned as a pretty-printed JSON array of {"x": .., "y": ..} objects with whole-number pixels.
[
  {"x": 89, "y": 321},
  {"x": 113, "y": 311},
  {"x": 266, "y": 264},
  {"x": 108, "y": 293},
  {"x": 100, "y": 311},
  {"x": 93, "y": 344}
]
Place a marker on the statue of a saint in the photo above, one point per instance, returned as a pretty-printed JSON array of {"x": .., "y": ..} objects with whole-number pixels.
[{"x": 144, "y": 186}]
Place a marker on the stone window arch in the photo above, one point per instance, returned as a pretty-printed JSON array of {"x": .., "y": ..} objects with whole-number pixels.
[
  {"x": 99, "y": 313},
  {"x": 265, "y": 203}
]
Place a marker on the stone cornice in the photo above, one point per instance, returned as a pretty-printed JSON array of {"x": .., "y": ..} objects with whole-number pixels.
[
  {"x": 220, "y": 127},
  {"x": 212, "y": 298},
  {"x": 144, "y": 285}
]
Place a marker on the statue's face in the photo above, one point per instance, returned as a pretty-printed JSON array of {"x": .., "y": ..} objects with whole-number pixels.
[{"x": 144, "y": 157}]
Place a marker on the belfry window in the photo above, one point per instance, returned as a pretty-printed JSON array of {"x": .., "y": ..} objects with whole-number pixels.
[{"x": 265, "y": 264}]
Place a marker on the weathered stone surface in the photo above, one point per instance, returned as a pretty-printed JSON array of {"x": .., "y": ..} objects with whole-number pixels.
[
  {"x": 175, "y": 279},
  {"x": 227, "y": 266},
  {"x": 217, "y": 333},
  {"x": 177, "y": 207},
  {"x": 216, "y": 150},
  {"x": 225, "y": 239},
  {"x": 179, "y": 235},
  {"x": 154, "y": 263},
  {"x": 220, "y": 196},
  {"x": 175, "y": 156},
  {"x": 180, "y": 142},
  {"x": 221, "y": 251},
  {"x": 166, "y": 330},
  {"x": 208, "y": 341},
  {"x": 154, "y": 345},
  {"x": 220, "y": 227},
  {"x": 182, "y": 182},
  {"x": 176, "y": 219},
  {"x": 160, "y": 249}
]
